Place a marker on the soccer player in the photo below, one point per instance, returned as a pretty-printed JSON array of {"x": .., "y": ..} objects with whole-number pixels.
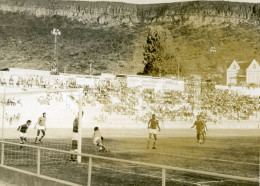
[
  {"x": 201, "y": 127},
  {"x": 41, "y": 127},
  {"x": 23, "y": 130},
  {"x": 98, "y": 140},
  {"x": 74, "y": 145},
  {"x": 152, "y": 127}
]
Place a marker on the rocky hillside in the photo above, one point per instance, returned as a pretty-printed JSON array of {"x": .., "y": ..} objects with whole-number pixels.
[{"x": 111, "y": 35}]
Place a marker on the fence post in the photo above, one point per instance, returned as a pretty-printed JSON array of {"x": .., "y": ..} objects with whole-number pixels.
[
  {"x": 89, "y": 171},
  {"x": 3, "y": 116},
  {"x": 2, "y": 153},
  {"x": 38, "y": 161},
  {"x": 163, "y": 177},
  {"x": 80, "y": 126}
]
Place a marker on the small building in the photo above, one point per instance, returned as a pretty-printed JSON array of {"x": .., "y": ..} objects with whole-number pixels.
[
  {"x": 243, "y": 72},
  {"x": 253, "y": 73}
]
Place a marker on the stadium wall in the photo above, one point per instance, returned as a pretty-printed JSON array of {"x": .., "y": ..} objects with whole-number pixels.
[{"x": 22, "y": 178}]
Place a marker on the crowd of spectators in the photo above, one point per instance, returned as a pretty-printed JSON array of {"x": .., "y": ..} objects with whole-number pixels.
[
  {"x": 139, "y": 104},
  {"x": 229, "y": 104},
  {"x": 14, "y": 118},
  {"x": 217, "y": 104},
  {"x": 38, "y": 81}
]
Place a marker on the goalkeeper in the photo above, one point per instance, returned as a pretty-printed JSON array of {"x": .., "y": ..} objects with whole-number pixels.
[
  {"x": 98, "y": 140},
  {"x": 75, "y": 137}
]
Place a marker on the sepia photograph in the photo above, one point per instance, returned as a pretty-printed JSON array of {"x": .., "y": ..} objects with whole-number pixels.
[{"x": 129, "y": 92}]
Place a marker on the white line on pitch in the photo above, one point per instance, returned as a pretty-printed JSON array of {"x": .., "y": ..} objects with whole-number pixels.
[
  {"x": 181, "y": 155},
  {"x": 214, "y": 159},
  {"x": 148, "y": 175},
  {"x": 206, "y": 182}
]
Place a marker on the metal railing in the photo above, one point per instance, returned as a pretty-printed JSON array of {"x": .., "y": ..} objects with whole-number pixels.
[{"x": 91, "y": 157}]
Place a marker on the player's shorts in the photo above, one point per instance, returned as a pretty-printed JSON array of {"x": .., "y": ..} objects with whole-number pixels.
[
  {"x": 41, "y": 127},
  {"x": 153, "y": 131},
  {"x": 97, "y": 141},
  {"x": 74, "y": 150},
  {"x": 22, "y": 134},
  {"x": 201, "y": 131},
  {"x": 75, "y": 136}
]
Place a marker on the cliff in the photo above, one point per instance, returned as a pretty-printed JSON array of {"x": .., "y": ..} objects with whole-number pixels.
[{"x": 105, "y": 13}]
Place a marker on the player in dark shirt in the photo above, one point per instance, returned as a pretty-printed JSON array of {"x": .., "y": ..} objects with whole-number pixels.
[
  {"x": 201, "y": 127},
  {"x": 74, "y": 145},
  {"x": 23, "y": 130}
]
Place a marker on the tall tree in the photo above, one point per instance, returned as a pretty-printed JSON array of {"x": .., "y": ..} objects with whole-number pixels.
[{"x": 159, "y": 53}]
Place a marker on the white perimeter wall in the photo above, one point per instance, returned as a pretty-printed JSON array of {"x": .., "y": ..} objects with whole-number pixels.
[{"x": 241, "y": 90}]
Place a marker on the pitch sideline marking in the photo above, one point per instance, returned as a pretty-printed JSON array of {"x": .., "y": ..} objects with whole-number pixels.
[
  {"x": 213, "y": 159},
  {"x": 205, "y": 182},
  {"x": 148, "y": 175}
]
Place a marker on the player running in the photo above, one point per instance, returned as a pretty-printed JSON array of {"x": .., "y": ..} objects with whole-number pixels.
[
  {"x": 201, "y": 128},
  {"x": 23, "y": 130},
  {"x": 98, "y": 140},
  {"x": 41, "y": 127},
  {"x": 152, "y": 127}
]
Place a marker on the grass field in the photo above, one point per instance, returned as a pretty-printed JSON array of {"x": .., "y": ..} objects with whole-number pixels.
[{"x": 227, "y": 152}]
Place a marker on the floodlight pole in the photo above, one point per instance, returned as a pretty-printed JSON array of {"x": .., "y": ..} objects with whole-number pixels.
[
  {"x": 212, "y": 51},
  {"x": 178, "y": 69},
  {"x": 55, "y": 32},
  {"x": 90, "y": 68}
]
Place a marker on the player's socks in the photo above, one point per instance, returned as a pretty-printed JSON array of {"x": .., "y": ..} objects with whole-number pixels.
[
  {"x": 40, "y": 140},
  {"x": 36, "y": 140},
  {"x": 148, "y": 143},
  {"x": 21, "y": 140},
  {"x": 154, "y": 143}
]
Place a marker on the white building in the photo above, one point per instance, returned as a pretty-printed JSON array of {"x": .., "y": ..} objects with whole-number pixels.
[
  {"x": 243, "y": 72},
  {"x": 253, "y": 73}
]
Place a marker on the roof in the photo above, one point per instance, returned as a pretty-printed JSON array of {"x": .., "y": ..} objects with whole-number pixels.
[
  {"x": 243, "y": 64},
  {"x": 254, "y": 60},
  {"x": 228, "y": 64}
]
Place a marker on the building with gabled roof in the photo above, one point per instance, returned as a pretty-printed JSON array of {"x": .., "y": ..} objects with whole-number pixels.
[
  {"x": 253, "y": 73},
  {"x": 243, "y": 72}
]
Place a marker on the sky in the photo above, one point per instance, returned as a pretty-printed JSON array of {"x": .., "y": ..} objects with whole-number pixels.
[{"x": 164, "y": 1}]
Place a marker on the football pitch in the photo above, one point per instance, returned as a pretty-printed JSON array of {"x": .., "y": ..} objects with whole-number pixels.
[{"x": 229, "y": 152}]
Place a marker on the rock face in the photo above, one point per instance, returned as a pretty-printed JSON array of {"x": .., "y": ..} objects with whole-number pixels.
[{"x": 105, "y": 13}]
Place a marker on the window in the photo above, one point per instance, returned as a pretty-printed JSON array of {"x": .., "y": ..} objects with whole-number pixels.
[
  {"x": 234, "y": 67},
  {"x": 254, "y": 66}
]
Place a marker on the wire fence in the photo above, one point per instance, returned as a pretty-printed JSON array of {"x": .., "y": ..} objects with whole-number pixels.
[{"x": 40, "y": 152}]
